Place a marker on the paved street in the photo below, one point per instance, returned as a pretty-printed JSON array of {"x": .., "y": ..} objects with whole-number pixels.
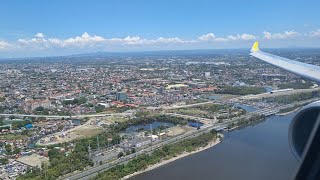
[{"x": 74, "y": 116}]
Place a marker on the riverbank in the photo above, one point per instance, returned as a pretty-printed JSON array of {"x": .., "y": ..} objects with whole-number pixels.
[
  {"x": 245, "y": 121},
  {"x": 289, "y": 112},
  {"x": 151, "y": 167}
]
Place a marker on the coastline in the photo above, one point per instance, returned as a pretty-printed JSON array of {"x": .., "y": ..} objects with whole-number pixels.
[
  {"x": 164, "y": 162},
  {"x": 289, "y": 112}
]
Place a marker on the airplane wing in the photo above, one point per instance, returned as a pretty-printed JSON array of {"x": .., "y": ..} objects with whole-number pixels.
[{"x": 308, "y": 71}]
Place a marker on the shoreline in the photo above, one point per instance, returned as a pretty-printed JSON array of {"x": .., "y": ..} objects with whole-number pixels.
[
  {"x": 245, "y": 125},
  {"x": 185, "y": 154},
  {"x": 289, "y": 112}
]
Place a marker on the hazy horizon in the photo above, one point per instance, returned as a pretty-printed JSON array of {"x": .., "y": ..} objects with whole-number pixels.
[{"x": 150, "y": 52}]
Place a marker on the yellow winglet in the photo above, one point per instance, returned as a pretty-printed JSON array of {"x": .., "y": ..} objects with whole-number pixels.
[{"x": 255, "y": 47}]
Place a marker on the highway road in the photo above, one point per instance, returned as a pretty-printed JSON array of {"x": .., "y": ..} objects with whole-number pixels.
[
  {"x": 74, "y": 116},
  {"x": 180, "y": 106}
]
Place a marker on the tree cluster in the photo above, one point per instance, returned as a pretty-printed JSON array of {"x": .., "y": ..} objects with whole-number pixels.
[{"x": 241, "y": 90}]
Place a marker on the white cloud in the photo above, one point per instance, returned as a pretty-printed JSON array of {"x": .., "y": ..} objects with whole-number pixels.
[
  {"x": 207, "y": 37},
  {"x": 267, "y": 35},
  {"x": 39, "y": 35},
  {"x": 219, "y": 39},
  {"x": 38, "y": 42},
  {"x": 87, "y": 42},
  {"x": 232, "y": 37},
  {"x": 284, "y": 35},
  {"x": 135, "y": 40},
  {"x": 171, "y": 40},
  {"x": 247, "y": 37},
  {"x": 162, "y": 40},
  {"x": 90, "y": 41},
  {"x": 79, "y": 41},
  {"x": 314, "y": 33},
  {"x": 5, "y": 45},
  {"x": 212, "y": 37}
]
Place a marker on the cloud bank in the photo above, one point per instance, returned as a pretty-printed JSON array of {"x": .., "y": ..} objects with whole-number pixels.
[
  {"x": 284, "y": 35},
  {"x": 93, "y": 43},
  {"x": 212, "y": 37}
]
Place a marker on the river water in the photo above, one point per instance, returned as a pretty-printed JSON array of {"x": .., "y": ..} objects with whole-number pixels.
[
  {"x": 147, "y": 127},
  {"x": 258, "y": 152},
  {"x": 245, "y": 107}
]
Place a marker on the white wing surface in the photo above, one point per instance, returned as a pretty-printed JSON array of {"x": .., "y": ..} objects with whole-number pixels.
[{"x": 308, "y": 71}]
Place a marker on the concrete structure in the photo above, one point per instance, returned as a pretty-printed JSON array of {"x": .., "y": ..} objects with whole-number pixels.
[
  {"x": 281, "y": 90},
  {"x": 207, "y": 74},
  {"x": 154, "y": 137},
  {"x": 269, "y": 77},
  {"x": 121, "y": 96},
  {"x": 31, "y": 104}
]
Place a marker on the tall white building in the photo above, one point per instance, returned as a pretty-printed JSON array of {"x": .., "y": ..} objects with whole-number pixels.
[
  {"x": 30, "y": 104},
  {"x": 207, "y": 74}
]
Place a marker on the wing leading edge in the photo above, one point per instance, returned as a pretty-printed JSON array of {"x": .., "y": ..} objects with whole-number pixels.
[{"x": 309, "y": 71}]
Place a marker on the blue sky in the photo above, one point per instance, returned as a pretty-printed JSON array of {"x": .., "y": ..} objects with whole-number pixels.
[{"x": 59, "y": 27}]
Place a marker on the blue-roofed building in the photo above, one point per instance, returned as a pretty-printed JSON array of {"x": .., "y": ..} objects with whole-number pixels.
[
  {"x": 76, "y": 122},
  {"x": 195, "y": 124},
  {"x": 28, "y": 126}
]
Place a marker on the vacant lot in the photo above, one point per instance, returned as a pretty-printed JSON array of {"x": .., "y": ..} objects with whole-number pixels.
[
  {"x": 78, "y": 132},
  {"x": 177, "y": 130},
  {"x": 33, "y": 160}
]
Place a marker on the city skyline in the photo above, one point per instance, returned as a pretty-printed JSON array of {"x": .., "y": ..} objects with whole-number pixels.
[{"x": 35, "y": 28}]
